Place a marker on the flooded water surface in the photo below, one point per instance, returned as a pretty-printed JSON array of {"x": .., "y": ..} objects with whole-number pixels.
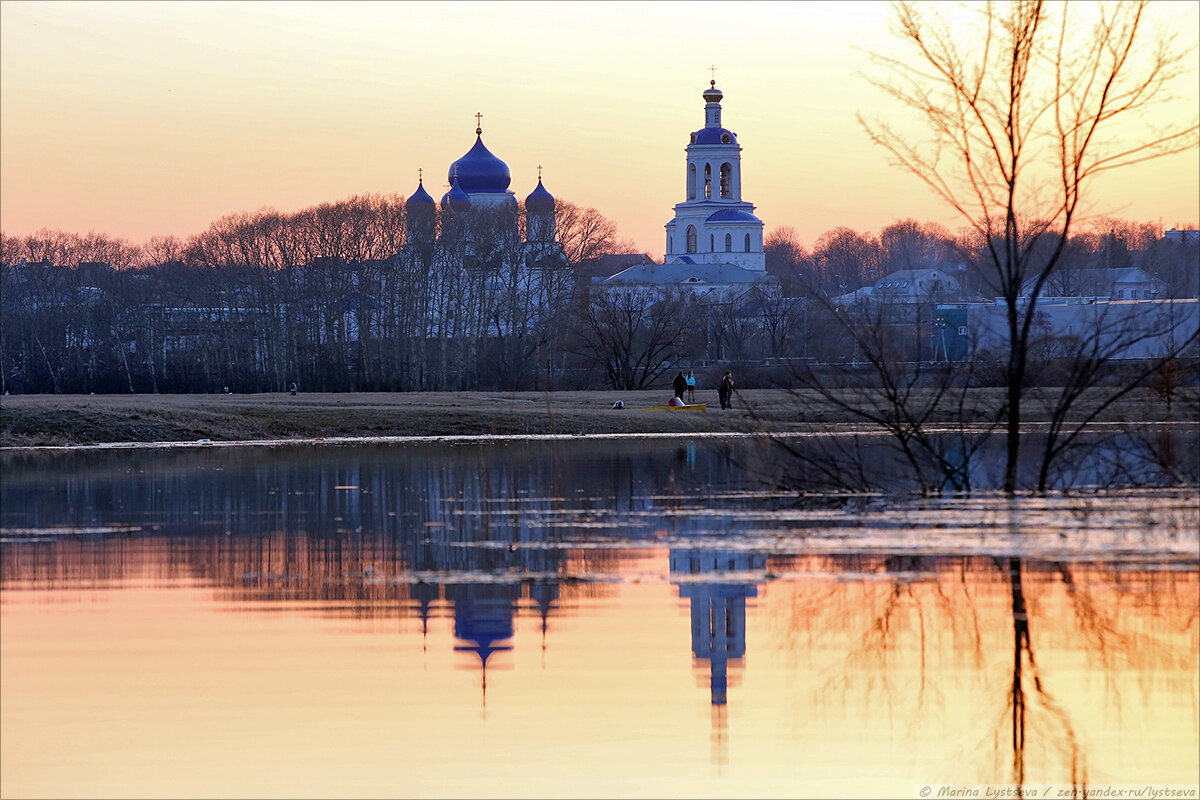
[{"x": 586, "y": 618}]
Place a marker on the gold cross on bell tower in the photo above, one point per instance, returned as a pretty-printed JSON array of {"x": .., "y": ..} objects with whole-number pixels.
[
  {"x": 713, "y": 70},
  {"x": 478, "y": 123}
]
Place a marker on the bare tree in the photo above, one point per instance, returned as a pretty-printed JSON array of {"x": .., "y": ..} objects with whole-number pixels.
[
  {"x": 844, "y": 259},
  {"x": 585, "y": 234},
  {"x": 784, "y": 320},
  {"x": 786, "y": 257},
  {"x": 1026, "y": 107},
  {"x": 909, "y": 244},
  {"x": 633, "y": 332},
  {"x": 164, "y": 249}
]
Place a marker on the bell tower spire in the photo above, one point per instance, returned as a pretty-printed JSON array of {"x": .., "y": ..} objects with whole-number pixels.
[{"x": 712, "y": 105}]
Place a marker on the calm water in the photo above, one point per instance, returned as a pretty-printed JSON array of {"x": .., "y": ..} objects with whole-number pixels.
[{"x": 576, "y": 619}]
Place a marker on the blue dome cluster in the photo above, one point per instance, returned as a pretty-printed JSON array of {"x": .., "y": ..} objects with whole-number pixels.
[
  {"x": 539, "y": 200},
  {"x": 480, "y": 171}
]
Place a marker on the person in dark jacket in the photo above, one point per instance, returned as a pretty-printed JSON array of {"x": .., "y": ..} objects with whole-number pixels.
[
  {"x": 679, "y": 384},
  {"x": 725, "y": 390}
]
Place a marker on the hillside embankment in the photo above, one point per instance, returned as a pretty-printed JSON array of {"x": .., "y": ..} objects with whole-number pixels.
[{"x": 57, "y": 420}]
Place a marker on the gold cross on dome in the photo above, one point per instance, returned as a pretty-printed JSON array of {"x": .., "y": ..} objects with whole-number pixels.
[
  {"x": 539, "y": 172},
  {"x": 713, "y": 70},
  {"x": 420, "y": 174},
  {"x": 478, "y": 123}
]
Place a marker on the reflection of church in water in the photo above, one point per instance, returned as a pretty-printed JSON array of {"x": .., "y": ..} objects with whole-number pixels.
[{"x": 717, "y": 584}]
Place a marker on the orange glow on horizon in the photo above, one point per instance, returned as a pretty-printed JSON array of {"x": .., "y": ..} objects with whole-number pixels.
[{"x": 140, "y": 119}]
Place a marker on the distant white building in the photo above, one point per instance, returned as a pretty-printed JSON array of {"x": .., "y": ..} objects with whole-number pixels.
[
  {"x": 1113, "y": 283},
  {"x": 1183, "y": 237},
  {"x": 906, "y": 286},
  {"x": 1117, "y": 329},
  {"x": 714, "y": 242},
  {"x": 698, "y": 278}
]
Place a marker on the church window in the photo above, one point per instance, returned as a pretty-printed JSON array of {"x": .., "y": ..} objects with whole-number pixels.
[
  {"x": 726, "y": 181},
  {"x": 711, "y": 247},
  {"x": 728, "y": 243},
  {"x": 670, "y": 244},
  {"x": 708, "y": 181},
  {"x": 691, "y": 238},
  {"x": 691, "y": 181},
  {"x": 747, "y": 243}
]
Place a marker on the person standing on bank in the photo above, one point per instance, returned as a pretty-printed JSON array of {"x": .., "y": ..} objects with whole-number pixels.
[
  {"x": 691, "y": 387},
  {"x": 725, "y": 390},
  {"x": 679, "y": 384}
]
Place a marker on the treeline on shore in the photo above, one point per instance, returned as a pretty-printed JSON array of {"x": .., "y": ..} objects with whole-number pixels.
[{"x": 340, "y": 297}]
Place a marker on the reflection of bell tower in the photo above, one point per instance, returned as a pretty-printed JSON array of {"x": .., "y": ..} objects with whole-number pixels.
[
  {"x": 718, "y": 609},
  {"x": 718, "y": 612}
]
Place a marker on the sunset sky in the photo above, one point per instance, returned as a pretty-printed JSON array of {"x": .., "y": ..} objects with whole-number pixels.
[{"x": 144, "y": 118}]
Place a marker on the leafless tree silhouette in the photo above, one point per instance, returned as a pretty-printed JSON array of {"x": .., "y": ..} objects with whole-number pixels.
[{"x": 1024, "y": 107}]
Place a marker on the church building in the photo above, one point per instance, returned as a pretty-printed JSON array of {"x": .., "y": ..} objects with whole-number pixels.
[
  {"x": 714, "y": 239},
  {"x": 479, "y": 181}
]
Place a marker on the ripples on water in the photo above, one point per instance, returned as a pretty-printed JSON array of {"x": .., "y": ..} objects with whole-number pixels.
[{"x": 576, "y": 619}]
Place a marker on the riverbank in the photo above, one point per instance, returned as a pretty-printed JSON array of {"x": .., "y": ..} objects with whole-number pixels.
[{"x": 57, "y": 420}]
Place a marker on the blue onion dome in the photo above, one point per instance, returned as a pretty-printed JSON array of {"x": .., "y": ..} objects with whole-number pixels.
[
  {"x": 456, "y": 200},
  {"x": 420, "y": 202},
  {"x": 712, "y": 94},
  {"x": 539, "y": 200},
  {"x": 480, "y": 171}
]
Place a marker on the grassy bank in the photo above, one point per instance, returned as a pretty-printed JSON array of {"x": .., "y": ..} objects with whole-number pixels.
[{"x": 88, "y": 419}]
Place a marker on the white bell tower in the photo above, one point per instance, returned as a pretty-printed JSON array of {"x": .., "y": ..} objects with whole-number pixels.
[{"x": 713, "y": 224}]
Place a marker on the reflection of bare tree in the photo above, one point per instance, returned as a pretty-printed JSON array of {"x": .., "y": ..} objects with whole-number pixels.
[
  {"x": 900, "y": 622},
  {"x": 1062, "y": 735}
]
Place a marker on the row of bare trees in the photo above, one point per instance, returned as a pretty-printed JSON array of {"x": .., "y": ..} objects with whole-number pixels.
[
  {"x": 359, "y": 228},
  {"x": 339, "y": 296},
  {"x": 842, "y": 259}
]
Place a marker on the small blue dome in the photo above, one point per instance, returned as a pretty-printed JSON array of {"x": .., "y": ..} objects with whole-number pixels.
[
  {"x": 540, "y": 201},
  {"x": 420, "y": 201},
  {"x": 733, "y": 215},
  {"x": 480, "y": 171},
  {"x": 714, "y": 136},
  {"x": 456, "y": 200}
]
